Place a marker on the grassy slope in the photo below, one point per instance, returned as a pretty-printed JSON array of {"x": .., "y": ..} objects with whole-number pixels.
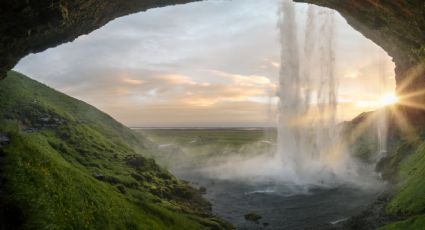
[
  {"x": 408, "y": 201},
  {"x": 404, "y": 168},
  {"x": 70, "y": 166}
]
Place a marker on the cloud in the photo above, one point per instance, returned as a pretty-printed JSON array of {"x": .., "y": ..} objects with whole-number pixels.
[
  {"x": 204, "y": 62},
  {"x": 132, "y": 81},
  {"x": 176, "y": 79}
]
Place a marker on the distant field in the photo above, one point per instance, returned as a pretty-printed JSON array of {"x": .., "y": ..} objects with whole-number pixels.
[
  {"x": 194, "y": 137},
  {"x": 193, "y": 147}
]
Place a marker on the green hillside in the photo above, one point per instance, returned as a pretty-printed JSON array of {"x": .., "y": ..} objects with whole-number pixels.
[
  {"x": 402, "y": 206},
  {"x": 66, "y": 165},
  {"x": 407, "y": 202}
]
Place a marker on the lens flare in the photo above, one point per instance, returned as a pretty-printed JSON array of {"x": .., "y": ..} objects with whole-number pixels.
[{"x": 388, "y": 99}]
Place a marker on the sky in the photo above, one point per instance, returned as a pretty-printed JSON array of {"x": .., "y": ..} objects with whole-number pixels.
[{"x": 209, "y": 63}]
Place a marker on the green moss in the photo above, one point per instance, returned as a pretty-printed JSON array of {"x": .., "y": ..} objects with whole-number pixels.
[
  {"x": 56, "y": 195},
  {"x": 64, "y": 12},
  {"x": 67, "y": 167},
  {"x": 390, "y": 165},
  {"x": 409, "y": 198},
  {"x": 417, "y": 222},
  {"x": 252, "y": 217},
  {"x": 407, "y": 168}
]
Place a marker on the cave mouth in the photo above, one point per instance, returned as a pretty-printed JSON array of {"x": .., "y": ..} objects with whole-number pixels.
[
  {"x": 204, "y": 65},
  {"x": 126, "y": 66}
]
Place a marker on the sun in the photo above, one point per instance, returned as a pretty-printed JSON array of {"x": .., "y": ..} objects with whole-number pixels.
[{"x": 388, "y": 99}]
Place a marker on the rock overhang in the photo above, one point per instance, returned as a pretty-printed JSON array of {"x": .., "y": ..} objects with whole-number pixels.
[{"x": 29, "y": 26}]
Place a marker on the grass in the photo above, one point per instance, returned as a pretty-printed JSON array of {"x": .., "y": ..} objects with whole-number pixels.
[
  {"x": 403, "y": 168},
  {"x": 56, "y": 195},
  {"x": 70, "y": 166},
  {"x": 406, "y": 167},
  {"x": 410, "y": 196},
  {"x": 416, "y": 222},
  {"x": 199, "y": 137},
  {"x": 196, "y": 147}
]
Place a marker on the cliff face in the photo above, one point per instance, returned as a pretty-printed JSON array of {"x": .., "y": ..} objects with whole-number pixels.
[
  {"x": 28, "y": 26},
  {"x": 398, "y": 26}
]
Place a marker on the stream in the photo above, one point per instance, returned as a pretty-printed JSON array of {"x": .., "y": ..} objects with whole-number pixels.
[{"x": 281, "y": 206}]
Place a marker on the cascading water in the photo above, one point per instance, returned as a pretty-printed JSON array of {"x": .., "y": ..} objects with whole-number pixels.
[
  {"x": 308, "y": 142},
  {"x": 382, "y": 118},
  {"x": 310, "y": 147},
  {"x": 290, "y": 101}
]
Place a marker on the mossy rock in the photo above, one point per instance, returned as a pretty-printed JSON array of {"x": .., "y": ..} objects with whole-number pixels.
[{"x": 252, "y": 216}]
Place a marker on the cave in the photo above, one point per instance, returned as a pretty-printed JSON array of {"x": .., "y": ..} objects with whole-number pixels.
[
  {"x": 396, "y": 26},
  {"x": 30, "y": 26}
]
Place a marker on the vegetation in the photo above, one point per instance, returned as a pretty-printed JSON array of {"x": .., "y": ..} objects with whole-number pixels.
[
  {"x": 410, "y": 196},
  {"x": 417, "y": 222},
  {"x": 252, "y": 217},
  {"x": 403, "y": 167},
  {"x": 196, "y": 147},
  {"x": 66, "y": 165},
  {"x": 199, "y": 137},
  {"x": 408, "y": 201},
  {"x": 362, "y": 137}
]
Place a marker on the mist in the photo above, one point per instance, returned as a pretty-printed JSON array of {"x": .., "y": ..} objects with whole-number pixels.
[{"x": 308, "y": 148}]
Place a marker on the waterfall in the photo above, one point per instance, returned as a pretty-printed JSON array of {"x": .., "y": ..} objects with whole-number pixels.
[
  {"x": 290, "y": 100},
  {"x": 382, "y": 117},
  {"x": 307, "y": 108}
]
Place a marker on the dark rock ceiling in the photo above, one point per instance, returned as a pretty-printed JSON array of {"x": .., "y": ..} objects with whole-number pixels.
[{"x": 28, "y": 26}]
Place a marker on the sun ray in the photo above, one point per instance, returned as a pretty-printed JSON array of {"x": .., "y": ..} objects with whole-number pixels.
[
  {"x": 407, "y": 96},
  {"x": 361, "y": 128},
  {"x": 388, "y": 99},
  {"x": 413, "y": 104},
  {"x": 409, "y": 77},
  {"x": 402, "y": 122}
]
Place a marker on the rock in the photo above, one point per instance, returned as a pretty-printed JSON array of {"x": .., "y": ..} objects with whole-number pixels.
[
  {"x": 4, "y": 140},
  {"x": 33, "y": 26},
  {"x": 122, "y": 189},
  {"x": 252, "y": 216},
  {"x": 35, "y": 117},
  {"x": 141, "y": 163},
  {"x": 203, "y": 190},
  {"x": 99, "y": 176},
  {"x": 138, "y": 177},
  {"x": 184, "y": 192},
  {"x": 373, "y": 216}
]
